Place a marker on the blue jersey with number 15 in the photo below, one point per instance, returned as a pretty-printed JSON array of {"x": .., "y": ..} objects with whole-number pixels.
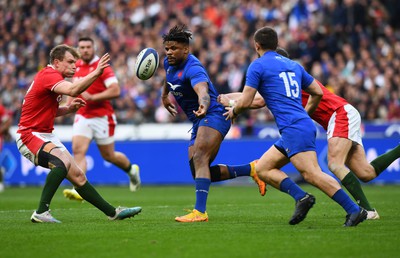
[{"x": 280, "y": 80}]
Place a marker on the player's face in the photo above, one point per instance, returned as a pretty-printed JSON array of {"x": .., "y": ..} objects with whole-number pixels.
[
  {"x": 176, "y": 52},
  {"x": 86, "y": 50},
  {"x": 66, "y": 66}
]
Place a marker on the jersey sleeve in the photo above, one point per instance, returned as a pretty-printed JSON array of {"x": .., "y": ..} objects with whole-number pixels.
[
  {"x": 197, "y": 74},
  {"x": 108, "y": 77},
  {"x": 52, "y": 80}
]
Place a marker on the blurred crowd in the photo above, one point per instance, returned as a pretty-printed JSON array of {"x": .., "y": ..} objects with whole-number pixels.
[{"x": 353, "y": 47}]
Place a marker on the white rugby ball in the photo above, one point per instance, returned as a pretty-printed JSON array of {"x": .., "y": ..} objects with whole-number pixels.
[{"x": 146, "y": 63}]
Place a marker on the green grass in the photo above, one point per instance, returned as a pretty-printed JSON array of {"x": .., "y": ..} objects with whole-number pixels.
[{"x": 242, "y": 224}]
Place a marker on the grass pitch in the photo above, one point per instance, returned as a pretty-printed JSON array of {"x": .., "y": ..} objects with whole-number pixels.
[{"x": 241, "y": 224}]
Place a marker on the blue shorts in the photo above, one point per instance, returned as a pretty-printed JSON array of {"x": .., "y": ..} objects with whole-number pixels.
[
  {"x": 213, "y": 120},
  {"x": 299, "y": 137}
]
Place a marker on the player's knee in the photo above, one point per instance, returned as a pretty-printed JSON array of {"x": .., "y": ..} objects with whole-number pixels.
[
  {"x": 49, "y": 160},
  {"x": 308, "y": 177},
  {"x": 77, "y": 178},
  {"x": 334, "y": 166},
  {"x": 200, "y": 158}
]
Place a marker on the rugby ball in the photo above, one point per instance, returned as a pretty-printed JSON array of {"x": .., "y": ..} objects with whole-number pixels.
[{"x": 146, "y": 63}]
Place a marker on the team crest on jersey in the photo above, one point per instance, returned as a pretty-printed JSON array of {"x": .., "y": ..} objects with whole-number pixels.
[
  {"x": 174, "y": 86},
  {"x": 180, "y": 74}
]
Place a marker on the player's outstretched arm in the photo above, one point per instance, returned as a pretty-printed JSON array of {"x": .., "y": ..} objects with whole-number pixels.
[
  {"x": 243, "y": 103},
  {"x": 230, "y": 99},
  {"x": 77, "y": 87}
]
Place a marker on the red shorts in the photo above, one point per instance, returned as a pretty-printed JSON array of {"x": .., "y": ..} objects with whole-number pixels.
[
  {"x": 345, "y": 122},
  {"x": 29, "y": 143}
]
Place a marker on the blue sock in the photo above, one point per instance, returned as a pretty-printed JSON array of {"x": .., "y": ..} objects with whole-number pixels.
[
  {"x": 202, "y": 187},
  {"x": 344, "y": 200},
  {"x": 240, "y": 170},
  {"x": 288, "y": 186}
]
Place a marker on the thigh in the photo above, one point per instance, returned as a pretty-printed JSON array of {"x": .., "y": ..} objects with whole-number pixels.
[
  {"x": 268, "y": 167},
  {"x": 306, "y": 162},
  {"x": 80, "y": 144},
  {"x": 207, "y": 143},
  {"x": 271, "y": 159},
  {"x": 338, "y": 149}
]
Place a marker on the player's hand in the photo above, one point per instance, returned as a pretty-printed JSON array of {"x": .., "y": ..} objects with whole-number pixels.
[
  {"x": 229, "y": 114},
  {"x": 76, "y": 104},
  {"x": 103, "y": 63},
  {"x": 200, "y": 112},
  {"x": 223, "y": 99},
  {"x": 169, "y": 106}
]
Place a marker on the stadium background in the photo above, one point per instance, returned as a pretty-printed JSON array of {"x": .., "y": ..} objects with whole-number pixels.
[{"x": 353, "y": 47}]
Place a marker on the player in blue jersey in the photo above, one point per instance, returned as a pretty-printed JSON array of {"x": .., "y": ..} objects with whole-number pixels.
[
  {"x": 188, "y": 81},
  {"x": 280, "y": 80}
]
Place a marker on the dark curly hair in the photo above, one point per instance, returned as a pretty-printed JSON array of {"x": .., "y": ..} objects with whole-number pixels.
[{"x": 179, "y": 33}]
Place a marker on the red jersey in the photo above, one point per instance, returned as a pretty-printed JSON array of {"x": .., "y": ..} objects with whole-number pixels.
[
  {"x": 40, "y": 104},
  {"x": 95, "y": 108},
  {"x": 328, "y": 105}
]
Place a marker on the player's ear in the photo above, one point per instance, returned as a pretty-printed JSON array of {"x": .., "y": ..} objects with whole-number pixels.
[{"x": 55, "y": 62}]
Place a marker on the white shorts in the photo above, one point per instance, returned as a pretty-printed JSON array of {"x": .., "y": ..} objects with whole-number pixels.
[
  {"x": 100, "y": 129},
  {"x": 29, "y": 144},
  {"x": 345, "y": 123}
]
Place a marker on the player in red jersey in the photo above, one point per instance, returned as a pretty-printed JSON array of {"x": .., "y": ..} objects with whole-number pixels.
[
  {"x": 5, "y": 123},
  {"x": 346, "y": 155},
  {"x": 97, "y": 119},
  {"x": 38, "y": 144}
]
